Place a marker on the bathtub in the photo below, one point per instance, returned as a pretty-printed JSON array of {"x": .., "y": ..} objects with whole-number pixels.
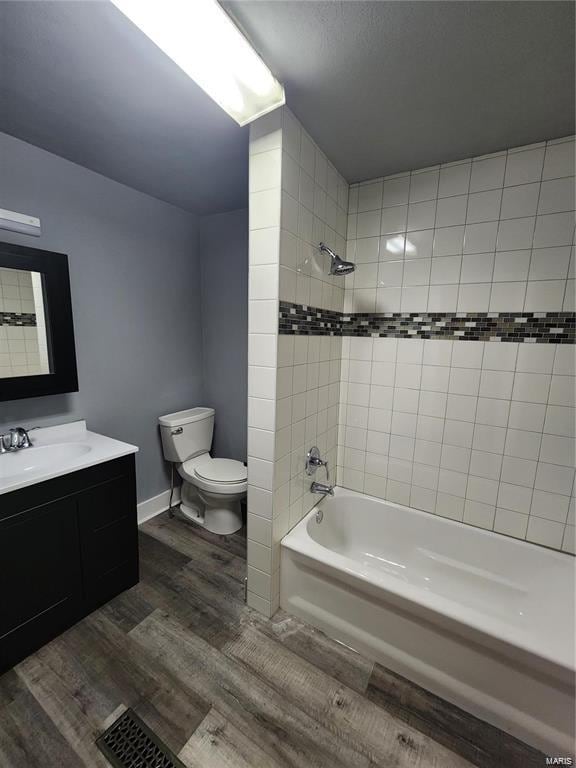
[{"x": 482, "y": 620}]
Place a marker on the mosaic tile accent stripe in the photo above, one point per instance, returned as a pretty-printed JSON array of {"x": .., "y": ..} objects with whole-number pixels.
[
  {"x": 532, "y": 327},
  {"x": 18, "y": 318}
]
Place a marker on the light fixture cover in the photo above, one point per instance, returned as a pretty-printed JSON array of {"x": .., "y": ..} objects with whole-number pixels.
[{"x": 202, "y": 39}]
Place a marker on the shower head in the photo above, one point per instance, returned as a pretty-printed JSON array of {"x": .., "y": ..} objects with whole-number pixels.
[{"x": 338, "y": 265}]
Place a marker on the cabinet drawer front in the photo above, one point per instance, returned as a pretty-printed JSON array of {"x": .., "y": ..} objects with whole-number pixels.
[
  {"x": 40, "y": 576},
  {"x": 109, "y": 539}
]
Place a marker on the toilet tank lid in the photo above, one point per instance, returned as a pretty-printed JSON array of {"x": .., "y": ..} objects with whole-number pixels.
[{"x": 185, "y": 417}]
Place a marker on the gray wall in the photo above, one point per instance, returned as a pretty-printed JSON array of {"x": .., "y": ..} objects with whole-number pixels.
[
  {"x": 224, "y": 266},
  {"x": 134, "y": 269}
]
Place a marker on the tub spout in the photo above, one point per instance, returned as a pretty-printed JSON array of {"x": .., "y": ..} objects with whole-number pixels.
[{"x": 322, "y": 488}]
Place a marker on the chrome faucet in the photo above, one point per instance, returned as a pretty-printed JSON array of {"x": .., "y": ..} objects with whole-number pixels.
[
  {"x": 313, "y": 461},
  {"x": 16, "y": 439},
  {"x": 323, "y": 488}
]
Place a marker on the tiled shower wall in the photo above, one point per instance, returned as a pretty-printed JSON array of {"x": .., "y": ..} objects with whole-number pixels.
[
  {"x": 297, "y": 200},
  {"x": 22, "y": 329},
  {"x": 478, "y": 431}
]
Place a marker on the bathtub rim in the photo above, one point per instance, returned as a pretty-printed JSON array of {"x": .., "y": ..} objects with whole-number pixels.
[{"x": 493, "y": 634}]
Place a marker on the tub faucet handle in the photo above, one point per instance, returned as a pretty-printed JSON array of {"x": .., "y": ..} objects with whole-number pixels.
[{"x": 314, "y": 460}]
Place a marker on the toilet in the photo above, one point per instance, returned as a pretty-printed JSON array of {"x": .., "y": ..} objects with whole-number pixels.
[{"x": 212, "y": 489}]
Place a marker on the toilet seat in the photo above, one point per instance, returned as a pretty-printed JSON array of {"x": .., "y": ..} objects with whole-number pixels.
[
  {"x": 221, "y": 471},
  {"x": 220, "y": 476}
]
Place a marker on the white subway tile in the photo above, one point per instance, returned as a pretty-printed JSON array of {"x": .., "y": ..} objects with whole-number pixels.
[
  {"x": 520, "y": 201},
  {"x": 474, "y": 297},
  {"x": 448, "y": 241},
  {"x": 396, "y": 191},
  {"x": 368, "y": 224},
  {"x": 423, "y": 498},
  {"x": 544, "y": 296},
  {"x": 423, "y": 186},
  {"x": 562, "y": 391},
  {"x": 261, "y": 414},
  {"x": 507, "y": 297},
  {"x": 484, "y": 206},
  {"x": 518, "y": 498},
  {"x": 479, "y": 514},
  {"x": 500, "y": 356},
  {"x": 511, "y": 265},
  {"x": 559, "y": 160},
  {"x": 421, "y": 215},
  {"x": 487, "y": 174},
  {"x": 482, "y": 489},
  {"x": 489, "y": 438},
  {"x": 549, "y": 263},
  {"x": 554, "y": 229},
  {"x": 557, "y": 195},
  {"x": 485, "y": 464},
  {"x": 259, "y": 501},
  {"x": 264, "y": 246},
  {"x": 531, "y": 387},
  {"x": 528, "y": 416},
  {"x": 464, "y": 381},
  {"x": 560, "y": 420},
  {"x": 535, "y": 358},
  {"x": 454, "y": 180},
  {"x": 262, "y": 349},
  {"x": 553, "y": 478},
  {"x": 557, "y": 450},
  {"x": 551, "y": 506},
  {"x": 467, "y": 355},
  {"x": 451, "y": 211},
  {"x": 496, "y": 384},
  {"x": 522, "y": 444},
  {"x": 265, "y": 170},
  {"x": 480, "y": 238},
  {"x": 515, "y": 234},
  {"x": 370, "y": 197},
  {"x": 511, "y": 523},
  {"x": 264, "y": 209},
  {"x": 524, "y": 167},
  {"x": 545, "y": 532}
]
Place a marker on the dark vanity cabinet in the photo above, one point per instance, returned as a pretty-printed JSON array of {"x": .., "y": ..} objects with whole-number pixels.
[{"x": 67, "y": 546}]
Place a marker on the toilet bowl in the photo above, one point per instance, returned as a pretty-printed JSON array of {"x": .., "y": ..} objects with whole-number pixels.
[{"x": 212, "y": 489}]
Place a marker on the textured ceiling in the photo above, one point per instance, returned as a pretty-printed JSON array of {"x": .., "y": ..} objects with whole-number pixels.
[
  {"x": 382, "y": 87},
  {"x": 391, "y": 86},
  {"x": 79, "y": 80}
]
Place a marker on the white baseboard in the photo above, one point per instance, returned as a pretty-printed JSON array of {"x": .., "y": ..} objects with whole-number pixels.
[{"x": 152, "y": 507}]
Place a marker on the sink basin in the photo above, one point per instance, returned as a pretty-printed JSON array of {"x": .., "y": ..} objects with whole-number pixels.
[{"x": 36, "y": 459}]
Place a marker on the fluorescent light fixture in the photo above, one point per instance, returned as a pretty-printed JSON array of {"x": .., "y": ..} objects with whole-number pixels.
[
  {"x": 22, "y": 223},
  {"x": 202, "y": 39}
]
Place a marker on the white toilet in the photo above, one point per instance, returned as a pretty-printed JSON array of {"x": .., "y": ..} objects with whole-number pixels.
[{"x": 212, "y": 489}]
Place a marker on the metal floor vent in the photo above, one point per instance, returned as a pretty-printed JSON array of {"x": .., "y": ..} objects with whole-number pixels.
[{"x": 129, "y": 743}]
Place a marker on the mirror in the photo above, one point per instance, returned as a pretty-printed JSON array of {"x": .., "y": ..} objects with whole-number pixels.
[
  {"x": 23, "y": 337},
  {"x": 37, "y": 352}
]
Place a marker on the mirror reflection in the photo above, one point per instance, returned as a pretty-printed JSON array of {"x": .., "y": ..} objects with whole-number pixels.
[{"x": 24, "y": 348}]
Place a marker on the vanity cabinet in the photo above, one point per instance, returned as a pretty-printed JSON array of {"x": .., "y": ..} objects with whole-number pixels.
[{"x": 67, "y": 546}]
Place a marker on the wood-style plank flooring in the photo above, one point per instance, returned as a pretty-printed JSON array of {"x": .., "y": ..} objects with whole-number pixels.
[{"x": 223, "y": 686}]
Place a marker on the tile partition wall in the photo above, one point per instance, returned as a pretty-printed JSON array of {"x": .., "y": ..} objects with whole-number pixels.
[
  {"x": 478, "y": 431},
  {"x": 297, "y": 199}
]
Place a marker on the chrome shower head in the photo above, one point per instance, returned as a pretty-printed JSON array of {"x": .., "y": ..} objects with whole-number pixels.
[{"x": 338, "y": 265}]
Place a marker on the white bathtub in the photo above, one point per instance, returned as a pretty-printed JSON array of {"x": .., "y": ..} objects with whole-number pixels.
[{"x": 484, "y": 621}]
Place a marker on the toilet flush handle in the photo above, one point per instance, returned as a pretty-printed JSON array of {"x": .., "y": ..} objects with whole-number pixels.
[{"x": 177, "y": 431}]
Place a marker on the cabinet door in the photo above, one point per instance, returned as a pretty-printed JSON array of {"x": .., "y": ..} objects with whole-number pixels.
[
  {"x": 40, "y": 583},
  {"x": 109, "y": 540}
]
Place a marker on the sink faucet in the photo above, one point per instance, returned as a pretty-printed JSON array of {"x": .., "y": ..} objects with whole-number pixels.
[
  {"x": 323, "y": 488},
  {"x": 16, "y": 439}
]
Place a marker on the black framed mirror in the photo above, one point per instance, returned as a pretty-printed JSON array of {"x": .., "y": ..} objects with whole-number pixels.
[{"x": 37, "y": 351}]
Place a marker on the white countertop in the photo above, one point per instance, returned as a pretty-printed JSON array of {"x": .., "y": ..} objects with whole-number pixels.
[{"x": 58, "y": 451}]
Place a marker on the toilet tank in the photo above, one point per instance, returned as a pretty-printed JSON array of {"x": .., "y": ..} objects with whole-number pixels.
[{"x": 186, "y": 434}]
